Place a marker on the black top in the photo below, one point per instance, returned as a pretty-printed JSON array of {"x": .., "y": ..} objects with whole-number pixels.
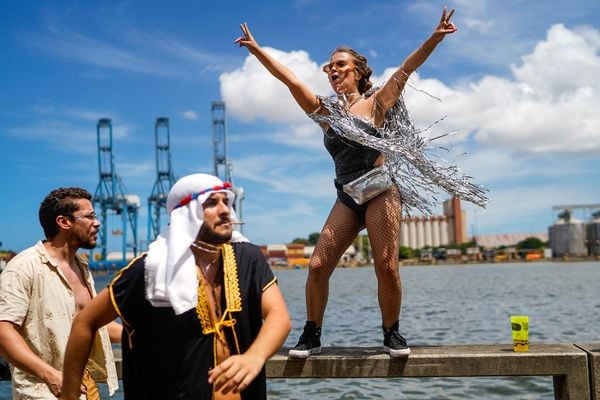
[
  {"x": 166, "y": 356},
  {"x": 351, "y": 159}
]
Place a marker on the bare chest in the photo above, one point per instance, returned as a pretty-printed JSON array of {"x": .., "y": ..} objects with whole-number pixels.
[{"x": 81, "y": 293}]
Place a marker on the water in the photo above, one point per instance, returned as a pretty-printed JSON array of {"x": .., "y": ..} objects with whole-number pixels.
[{"x": 439, "y": 301}]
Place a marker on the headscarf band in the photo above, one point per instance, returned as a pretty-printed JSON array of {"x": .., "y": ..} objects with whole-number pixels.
[{"x": 194, "y": 196}]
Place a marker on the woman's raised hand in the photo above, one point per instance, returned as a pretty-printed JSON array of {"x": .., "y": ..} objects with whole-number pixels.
[
  {"x": 246, "y": 40},
  {"x": 445, "y": 27}
]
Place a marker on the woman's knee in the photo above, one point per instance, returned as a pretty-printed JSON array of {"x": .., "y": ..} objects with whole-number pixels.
[
  {"x": 319, "y": 268},
  {"x": 387, "y": 271},
  {"x": 388, "y": 257}
]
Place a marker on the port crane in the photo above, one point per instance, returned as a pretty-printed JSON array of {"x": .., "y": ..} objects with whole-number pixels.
[
  {"x": 157, "y": 202},
  {"x": 222, "y": 165},
  {"x": 111, "y": 200}
]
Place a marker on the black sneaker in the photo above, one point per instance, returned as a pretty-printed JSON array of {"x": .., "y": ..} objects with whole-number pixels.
[
  {"x": 394, "y": 343},
  {"x": 309, "y": 342}
]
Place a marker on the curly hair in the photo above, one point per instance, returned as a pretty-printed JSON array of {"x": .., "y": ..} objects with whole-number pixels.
[
  {"x": 362, "y": 67},
  {"x": 61, "y": 201}
]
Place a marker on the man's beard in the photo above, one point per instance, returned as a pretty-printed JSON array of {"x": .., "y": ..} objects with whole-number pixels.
[
  {"x": 208, "y": 235},
  {"x": 87, "y": 244},
  {"x": 84, "y": 240}
]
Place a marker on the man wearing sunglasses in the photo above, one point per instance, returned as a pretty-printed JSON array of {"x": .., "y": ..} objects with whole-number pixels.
[{"x": 41, "y": 290}]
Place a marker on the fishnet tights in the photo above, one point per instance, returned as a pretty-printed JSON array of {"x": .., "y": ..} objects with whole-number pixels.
[{"x": 382, "y": 221}]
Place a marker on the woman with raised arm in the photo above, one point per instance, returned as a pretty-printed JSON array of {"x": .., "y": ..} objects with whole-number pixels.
[{"x": 354, "y": 123}]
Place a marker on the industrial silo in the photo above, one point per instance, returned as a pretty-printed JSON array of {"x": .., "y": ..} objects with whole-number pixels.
[
  {"x": 593, "y": 234},
  {"x": 568, "y": 236}
]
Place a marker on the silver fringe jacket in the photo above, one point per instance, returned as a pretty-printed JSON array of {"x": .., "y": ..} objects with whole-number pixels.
[{"x": 405, "y": 150}]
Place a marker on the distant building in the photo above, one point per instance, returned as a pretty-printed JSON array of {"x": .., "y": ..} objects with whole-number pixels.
[
  {"x": 437, "y": 230},
  {"x": 295, "y": 255},
  {"x": 568, "y": 236},
  {"x": 277, "y": 254},
  {"x": 308, "y": 251},
  {"x": 284, "y": 255},
  {"x": 457, "y": 221},
  {"x": 298, "y": 255},
  {"x": 507, "y": 240},
  {"x": 571, "y": 237},
  {"x": 593, "y": 235}
]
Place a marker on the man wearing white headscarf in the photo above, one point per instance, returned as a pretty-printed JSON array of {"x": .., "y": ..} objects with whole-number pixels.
[{"x": 201, "y": 311}]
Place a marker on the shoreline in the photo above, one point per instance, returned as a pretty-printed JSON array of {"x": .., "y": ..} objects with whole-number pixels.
[{"x": 414, "y": 262}]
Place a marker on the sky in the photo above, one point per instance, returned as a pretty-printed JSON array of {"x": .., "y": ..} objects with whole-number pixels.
[{"x": 516, "y": 87}]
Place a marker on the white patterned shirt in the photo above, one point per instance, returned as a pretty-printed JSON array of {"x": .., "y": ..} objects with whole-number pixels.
[{"x": 35, "y": 296}]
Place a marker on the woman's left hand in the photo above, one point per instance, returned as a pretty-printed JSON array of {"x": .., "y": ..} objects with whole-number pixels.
[
  {"x": 246, "y": 40},
  {"x": 445, "y": 27}
]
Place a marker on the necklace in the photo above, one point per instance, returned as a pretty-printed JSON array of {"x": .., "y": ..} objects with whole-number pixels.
[
  {"x": 208, "y": 266},
  {"x": 213, "y": 286},
  {"x": 353, "y": 102},
  {"x": 209, "y": 248}
]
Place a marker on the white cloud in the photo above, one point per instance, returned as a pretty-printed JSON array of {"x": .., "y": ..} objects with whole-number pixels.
[
  {"x": 130, "y": 50},
  {"x": 251, "y": 92},
  {"x": 69, "y": 129},
  {"x": 63, "y": 137},
  {"x": 190, "y": 114},
  {"x": 478, "y": 25},
  {"x": 74, "y": 46},
  {"x": 561, "y": 66},
  {"x": 77, "y": 113},
  {"x": 549, "y": 105}
]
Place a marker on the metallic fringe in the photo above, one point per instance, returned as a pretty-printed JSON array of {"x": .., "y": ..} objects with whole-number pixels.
[{"x": 405, "y": 150}]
